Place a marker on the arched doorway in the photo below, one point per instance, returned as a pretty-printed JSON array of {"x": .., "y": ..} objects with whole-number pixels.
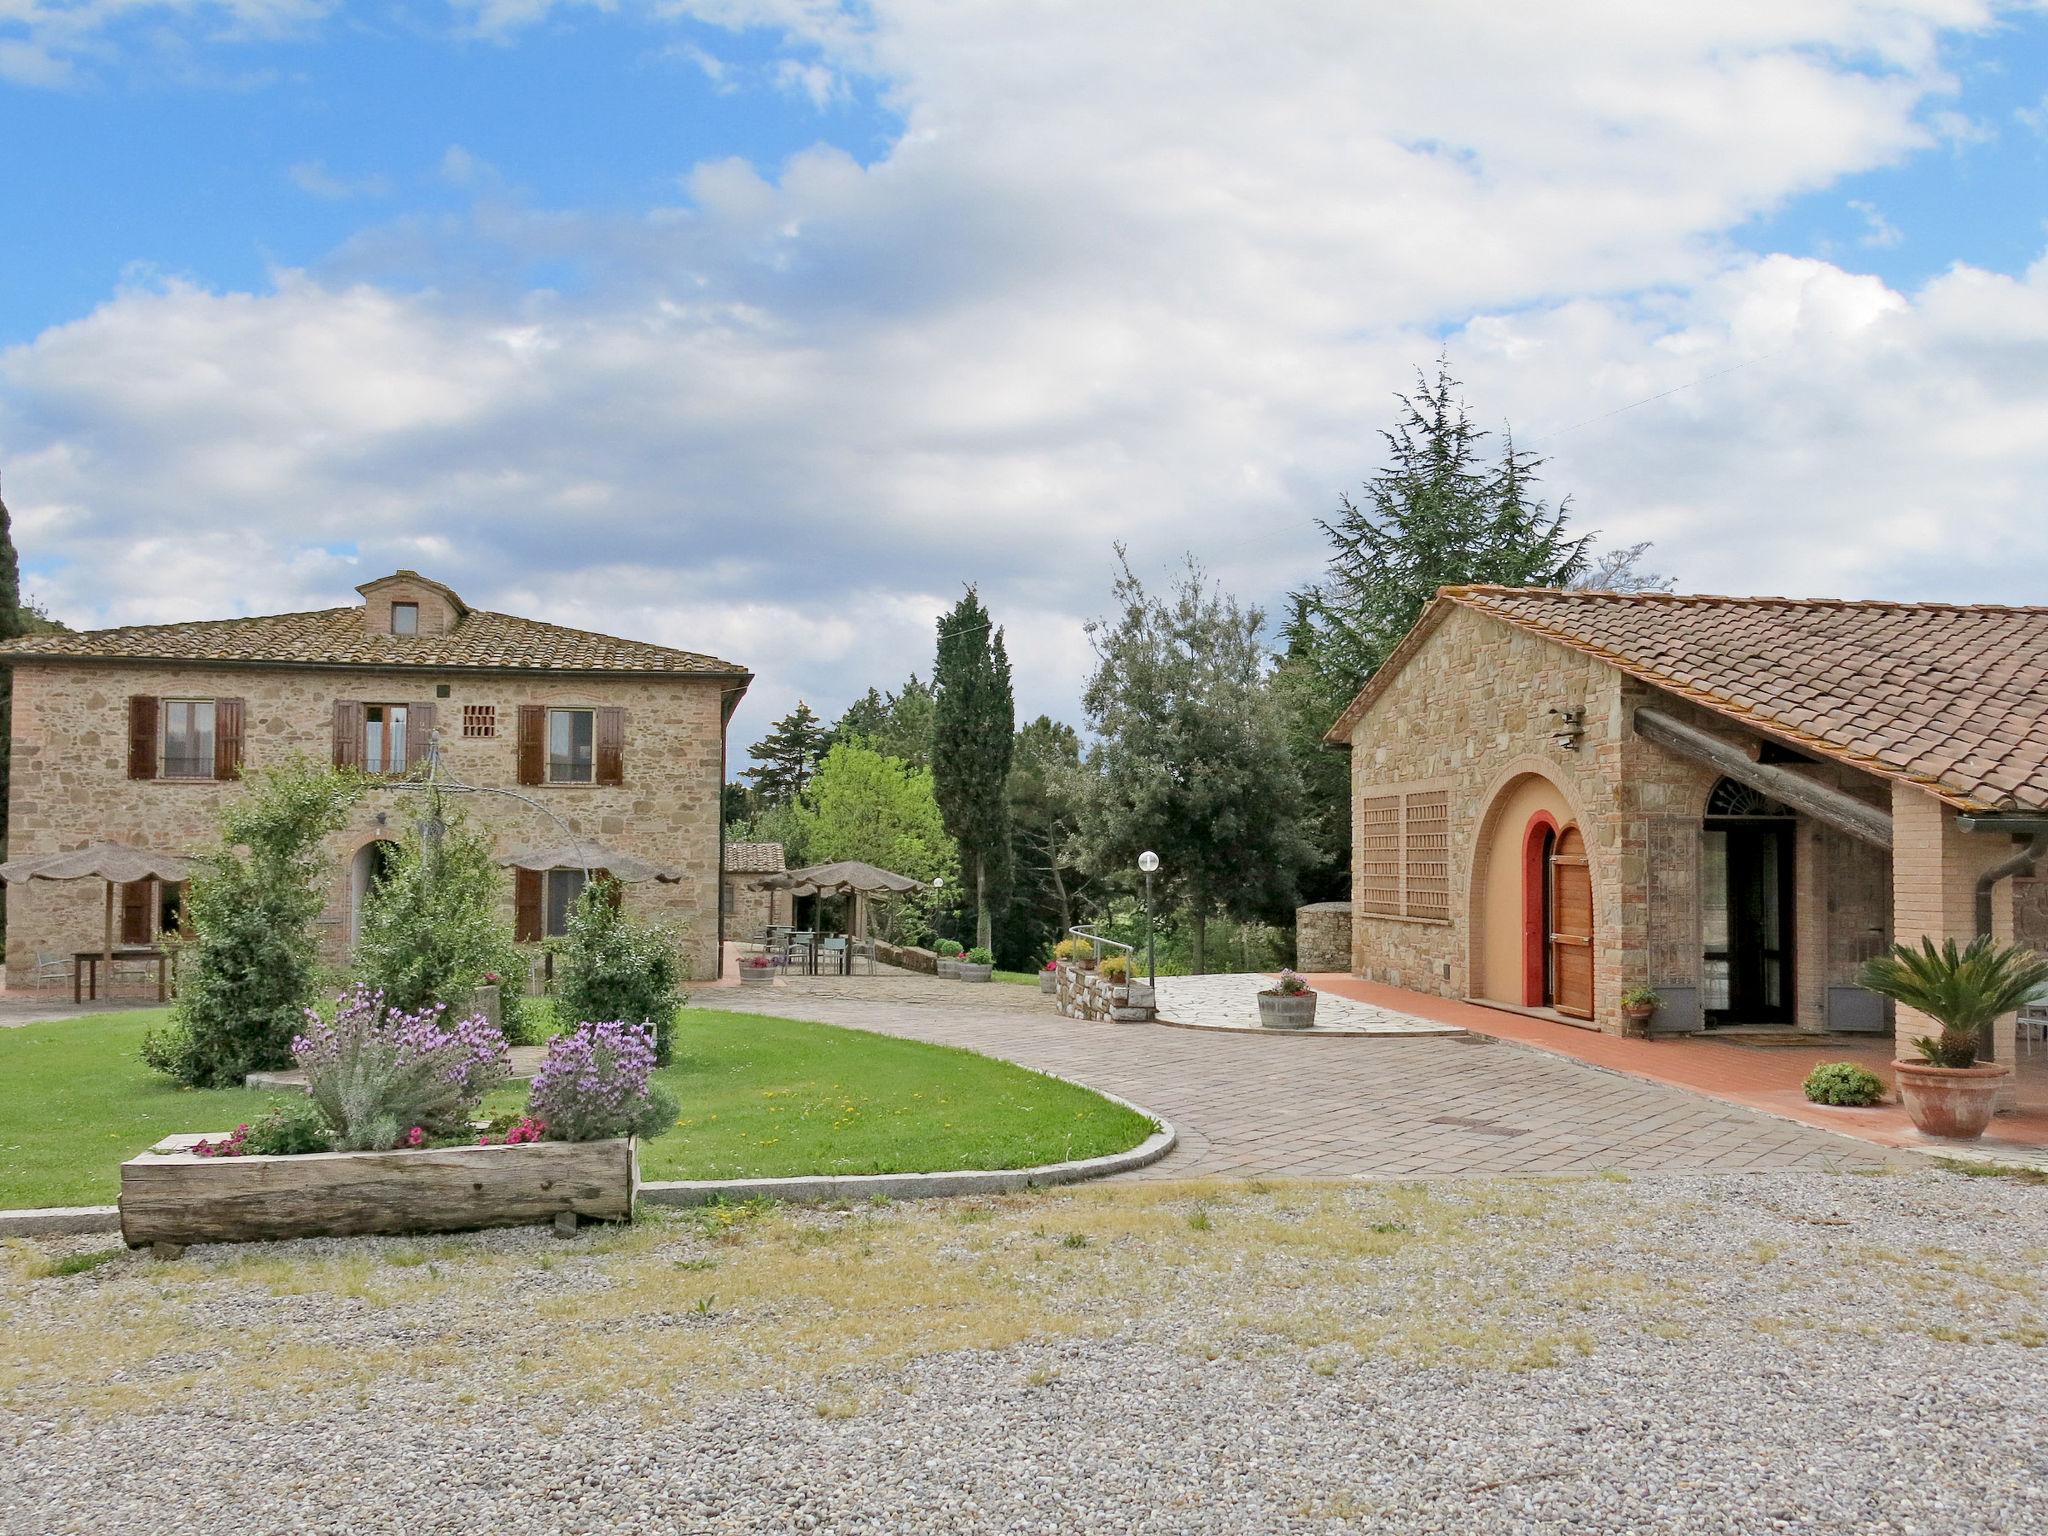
[
  {"x": 372, "y": 862},
  {"x": 1747, "y": 847}
]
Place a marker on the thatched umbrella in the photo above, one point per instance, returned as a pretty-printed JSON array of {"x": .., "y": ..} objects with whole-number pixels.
[
  {"x": 115, "y": 863},
  {"x": 585, "y": 855},
  {"x": 844, "y": 877}
]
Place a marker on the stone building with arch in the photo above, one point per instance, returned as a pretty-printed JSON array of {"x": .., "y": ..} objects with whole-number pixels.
[
  {"x": 139, "y": 734},
  {"x": 1560, "y": 796}
]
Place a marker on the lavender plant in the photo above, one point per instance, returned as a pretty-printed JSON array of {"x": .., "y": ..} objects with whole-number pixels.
[
  {"x": 378, "y": 1074},
  {"x": 598, "y": 1082}
]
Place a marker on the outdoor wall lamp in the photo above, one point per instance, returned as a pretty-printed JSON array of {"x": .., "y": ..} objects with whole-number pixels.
[{"x": 1570, "y": 727}]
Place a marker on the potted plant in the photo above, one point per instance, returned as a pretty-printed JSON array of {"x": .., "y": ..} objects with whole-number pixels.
[
  {"x": 757, "y": 971},
  {"x": 1049, "y": 978},
  {"x": 1289, "y": 1003},
  {"x": 1084, "y": 955},
  {"x": 978, "y": 964},
  {"x": 1947, "y": 1091},
  {"x": 1639, "y": 1005},
  {"x": 1116, "y": 970},
  {"x": 948, "y": 951}
]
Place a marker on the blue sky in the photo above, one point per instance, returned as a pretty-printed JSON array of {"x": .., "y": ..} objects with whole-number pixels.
[{"x": 761, "y": 326}]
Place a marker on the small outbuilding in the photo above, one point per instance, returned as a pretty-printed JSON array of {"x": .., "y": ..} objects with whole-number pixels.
[
  {"x": 748, "y": 904},
  {"x": 1560, "y": 796}
]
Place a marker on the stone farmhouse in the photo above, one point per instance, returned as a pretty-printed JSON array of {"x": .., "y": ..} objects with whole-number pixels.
[
  {"x": 138, "y": 735},
  {"x": 1561, "y": 796}
]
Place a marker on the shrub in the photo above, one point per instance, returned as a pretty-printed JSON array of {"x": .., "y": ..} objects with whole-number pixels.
[
  {"x": 597, "y": 1082},
  {"x": 434, "y": 925},
  {"x": 981, "y": 955},
  {"x": 291, "y": 1129},
  {"x": 947, "y": 949},
  {"x": 246, "y": 976},
  {"x": 1962, "y": 991},
  {"x": 1115, "y": 968},
  {"x": 1844, "y": 1083},
  {"x": 378, "y": 1075},
  {"x": 614, "y": 968}
]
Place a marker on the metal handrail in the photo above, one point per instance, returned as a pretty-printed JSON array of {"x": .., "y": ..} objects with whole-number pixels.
[{"x": 1083, "y": 931}]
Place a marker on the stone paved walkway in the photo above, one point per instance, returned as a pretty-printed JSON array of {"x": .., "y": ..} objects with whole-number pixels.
[
  {"x": 1232, "y": 1002},
  {"x": 1247, "y": 1104}
]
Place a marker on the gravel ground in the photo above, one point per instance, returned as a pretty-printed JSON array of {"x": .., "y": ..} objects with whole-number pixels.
[{"x": 1785, "y": 1352}]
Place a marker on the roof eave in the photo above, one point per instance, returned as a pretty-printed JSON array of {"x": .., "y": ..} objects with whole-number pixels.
[{"x": 338, "y": 664}]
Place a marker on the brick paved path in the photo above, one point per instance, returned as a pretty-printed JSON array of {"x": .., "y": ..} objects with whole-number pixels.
[
  {"x": 1232, "y": 1002},
  {"x": 1295, "y": 1106}
]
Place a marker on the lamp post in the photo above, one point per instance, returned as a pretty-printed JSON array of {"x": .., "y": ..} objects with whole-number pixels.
[{"x": 1148, "y": 861}]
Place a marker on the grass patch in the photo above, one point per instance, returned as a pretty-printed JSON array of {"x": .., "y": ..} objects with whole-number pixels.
[
  {"x": 762, "y": 1097},
  {"x": 1016, "y": 978},
  {"x": 1970, "y": 1170}
]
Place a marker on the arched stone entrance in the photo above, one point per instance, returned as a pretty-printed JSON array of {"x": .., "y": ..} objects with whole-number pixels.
[
  {"x": 1529, "y": 948},
  {"x": 365, "y": 869}
]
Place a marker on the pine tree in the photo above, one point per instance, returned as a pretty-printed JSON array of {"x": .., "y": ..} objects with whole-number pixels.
[
  {"x": 974, "y": 719},
  {"x": 1438, "y": 515},
  {"x": 897, "y": 725},
  {"x": 788, "y": 756}
]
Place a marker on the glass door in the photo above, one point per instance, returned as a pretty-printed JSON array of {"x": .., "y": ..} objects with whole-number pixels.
[{"x": 1746, "y": 922}]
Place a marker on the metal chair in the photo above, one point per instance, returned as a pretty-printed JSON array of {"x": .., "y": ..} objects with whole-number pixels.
[
  {"x": 137, "y": 969},
  {"x": 834, "y": 950},
  {"x": 798, "y": 948},
  {"x": 51, "y": 965},
  {"x": 2033, "y": 1023}
]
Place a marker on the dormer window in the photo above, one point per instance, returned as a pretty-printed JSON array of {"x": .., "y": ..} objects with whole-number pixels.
[{"x": 405, "y": 618}]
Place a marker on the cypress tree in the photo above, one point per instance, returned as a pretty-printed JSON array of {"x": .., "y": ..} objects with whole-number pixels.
[
  {"x": 974, "y": 721},
  {"x": 13, "y": 622}
]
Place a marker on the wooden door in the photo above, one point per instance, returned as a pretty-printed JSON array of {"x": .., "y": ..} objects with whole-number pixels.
[{"x": 1571, "y": 926}]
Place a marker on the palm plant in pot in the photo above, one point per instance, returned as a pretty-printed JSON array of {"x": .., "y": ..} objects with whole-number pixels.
[{"x": 1947, "y": 1091}]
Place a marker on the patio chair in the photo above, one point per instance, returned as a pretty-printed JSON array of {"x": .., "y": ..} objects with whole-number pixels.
[
  {"x": 797, "y": 945},
  {"x": 51, "y": 966},
  {"x": 833, "y": 951},
  {"x": 2033, "y": 1023},
  {"x": 131, "y": 970}
]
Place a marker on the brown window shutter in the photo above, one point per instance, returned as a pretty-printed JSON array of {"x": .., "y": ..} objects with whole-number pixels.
[
  {"x": 419, "y": 734},
  {"x": 141, "y": 737},
  {"x": 135, "y": 916},
  {"x": 526, "y": 906},
  {"x": 227, "y": 738},
  {"x": 533, "y": 743},
  {"x": 611, "y": 746},
  {"x": 349, "y": 721}
]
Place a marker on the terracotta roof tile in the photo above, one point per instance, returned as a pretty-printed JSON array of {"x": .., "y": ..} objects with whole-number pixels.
[
  {"x": 753, "y": 858},
  {"x": 1950, "y": 697},
  {"x": 338, "y": 637}
]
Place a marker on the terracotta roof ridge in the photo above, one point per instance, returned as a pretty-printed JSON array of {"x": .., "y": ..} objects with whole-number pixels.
[{"x": 1894, "y": 605}]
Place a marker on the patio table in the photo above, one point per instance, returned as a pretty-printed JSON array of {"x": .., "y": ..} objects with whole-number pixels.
[{"x": 89, "y": 959}]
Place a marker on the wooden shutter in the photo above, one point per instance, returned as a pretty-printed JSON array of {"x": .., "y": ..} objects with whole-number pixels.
[
  {"x": 135, "y": 904},
  {"x": 527, "y": 908},
  {"x": 141, "y": 737},
  {"x": 611, "y": 746},
  {"x": 351, "y": 721},
  {"x": 227, "y": 738},
  {"x": 1571, "y": 926},
  {"x": 614, "y": 892},
  {"x": 419, "y": 734},
  {"x": 533, "y": 744}
]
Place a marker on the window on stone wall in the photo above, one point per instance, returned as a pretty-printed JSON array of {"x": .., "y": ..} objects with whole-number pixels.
[
  {"x": 1379, "y": 856},
  {"x": 1404, "y": 855}
]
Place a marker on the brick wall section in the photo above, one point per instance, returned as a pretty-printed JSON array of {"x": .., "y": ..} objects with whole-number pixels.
[
  {"x": 70, "y": 783},
  {"x": 1935, "y": 865},
  {"x": 1470, "y": 712},
  {"x": 1322, "y": 937}
]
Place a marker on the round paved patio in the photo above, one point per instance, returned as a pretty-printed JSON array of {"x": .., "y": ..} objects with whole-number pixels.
[{"x": 1303, "y": 1107}]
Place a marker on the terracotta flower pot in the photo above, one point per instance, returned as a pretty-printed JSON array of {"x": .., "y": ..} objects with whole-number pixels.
[
  {"x": 1950, "y": 1101},
  {"x": 1635, "y": 1020}
]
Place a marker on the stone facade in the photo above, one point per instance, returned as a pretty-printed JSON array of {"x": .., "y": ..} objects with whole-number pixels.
[
  {"x": 70, "y": 781},
  {"x": 749, "y": 906},
  {"x": 1502, "y": 721},
  {"x": 1322, "y": 937},
  {"x": 1091, "y": 995}
]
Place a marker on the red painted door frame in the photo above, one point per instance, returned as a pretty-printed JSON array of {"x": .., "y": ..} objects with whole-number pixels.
[{"x": 1537, "y": 840}]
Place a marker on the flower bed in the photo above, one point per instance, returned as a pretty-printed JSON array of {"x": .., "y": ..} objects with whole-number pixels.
[{"x": 387, "y": 1141}]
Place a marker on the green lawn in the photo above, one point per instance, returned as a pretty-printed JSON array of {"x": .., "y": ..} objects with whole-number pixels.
[
  {"x": 761, "y": 1097},
  {"x": 1016, "y": 978}
]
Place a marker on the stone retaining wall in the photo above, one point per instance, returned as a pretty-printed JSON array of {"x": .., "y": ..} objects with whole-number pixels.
[
  {"x": 1322, "y": 936},
  {"x": 1090, "y": 995}
]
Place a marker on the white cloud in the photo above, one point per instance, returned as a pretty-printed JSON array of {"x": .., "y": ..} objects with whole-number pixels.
[
  {"x": 56, "y": 42},
  {"x": 314, "y": 179},
  {"x": 1123, "y": 276},
  {"x": 1879, "y": 233}
]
